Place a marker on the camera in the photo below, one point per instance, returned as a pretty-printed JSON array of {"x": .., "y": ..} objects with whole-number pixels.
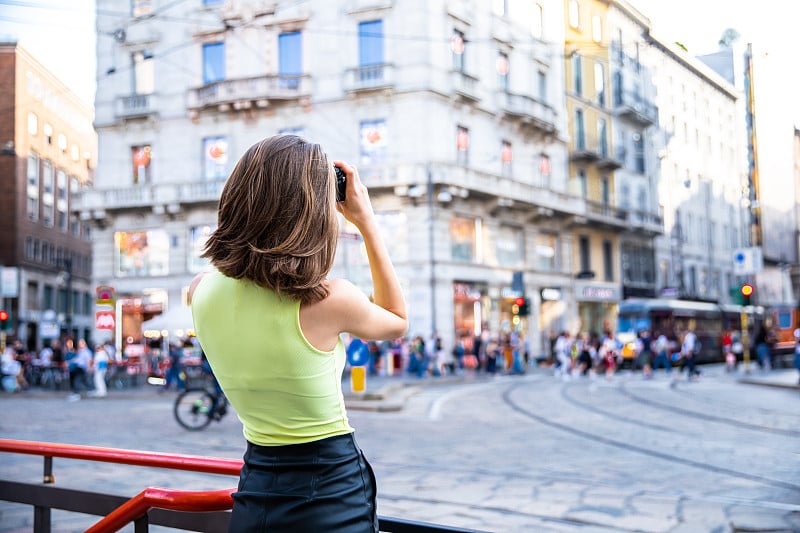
[{"x": 341, "y": 182}]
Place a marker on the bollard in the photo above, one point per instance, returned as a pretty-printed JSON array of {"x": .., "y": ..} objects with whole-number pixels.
[{"x": 358, "y": 379}]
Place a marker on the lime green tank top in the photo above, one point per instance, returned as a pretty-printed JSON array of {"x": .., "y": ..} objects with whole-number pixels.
[{"x": 283, "y": 389}]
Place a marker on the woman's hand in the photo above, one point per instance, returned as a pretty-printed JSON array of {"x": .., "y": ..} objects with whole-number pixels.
[{"x": 356, "y": 207}]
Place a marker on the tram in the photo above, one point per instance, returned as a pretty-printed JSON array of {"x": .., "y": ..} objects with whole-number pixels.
[
  {"x": 785, "y": 319},
  {"x": 674, "y": 317}
]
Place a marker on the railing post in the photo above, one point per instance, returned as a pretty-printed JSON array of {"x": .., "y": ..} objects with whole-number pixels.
[
  {"x": 41, "y": 515},
  {"x": 141, "y": 525}
]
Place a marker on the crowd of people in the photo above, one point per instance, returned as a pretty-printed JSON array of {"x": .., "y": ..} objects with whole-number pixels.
[{"x": 82, "y": 365}]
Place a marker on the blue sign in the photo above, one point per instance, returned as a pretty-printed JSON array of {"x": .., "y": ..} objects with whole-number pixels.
[{"x": 357, "y": 353}]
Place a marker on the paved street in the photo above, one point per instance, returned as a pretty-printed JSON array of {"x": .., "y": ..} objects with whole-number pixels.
[{"x": 530, "y": 453}]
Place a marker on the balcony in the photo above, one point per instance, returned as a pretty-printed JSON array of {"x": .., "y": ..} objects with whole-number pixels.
[
  {"x": 608, "y": 161},
  {"x": 135, "y": 106},
  {"x": 244, "y": 93},
  {"x": 528, "y": 112},
  {"x": 369, "y": 78},
  {"x": 633, "y": 107},
  {"x": 648, "y": 224},
  {"x": 582, "y": 153},
  {"x": 465, "y": 86},
  {"x": 160, "y": 197}
]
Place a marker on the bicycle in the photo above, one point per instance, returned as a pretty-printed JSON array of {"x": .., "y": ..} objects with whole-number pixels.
[{"x": 195, "y": 408}]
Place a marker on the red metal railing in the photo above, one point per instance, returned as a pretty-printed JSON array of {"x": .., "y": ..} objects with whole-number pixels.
[{"x": 151, "y": 497}]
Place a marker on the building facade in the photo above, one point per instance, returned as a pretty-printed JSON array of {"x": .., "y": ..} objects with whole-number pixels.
[
  {"x": 702, "y": 174},
  {"x": 48, "y": 155}
]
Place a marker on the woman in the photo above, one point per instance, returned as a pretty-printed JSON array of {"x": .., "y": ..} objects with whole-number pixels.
[{"x": 269, "y": 321}]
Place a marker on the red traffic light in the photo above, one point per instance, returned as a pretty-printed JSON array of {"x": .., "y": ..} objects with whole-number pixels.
[
  {"x": 746, "y": 289},
  {"x": 3, "y": 315},
  {"x": 519, "y": 301}
]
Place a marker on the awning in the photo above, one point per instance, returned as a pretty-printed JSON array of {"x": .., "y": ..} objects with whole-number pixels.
[{"x": 177, "y": 317}]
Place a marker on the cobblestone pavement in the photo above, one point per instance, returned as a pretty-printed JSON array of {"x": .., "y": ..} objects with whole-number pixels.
[{"x": 513, "y": 453}]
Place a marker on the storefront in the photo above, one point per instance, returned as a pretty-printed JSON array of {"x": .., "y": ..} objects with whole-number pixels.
[{"x": 597, "y": 306}]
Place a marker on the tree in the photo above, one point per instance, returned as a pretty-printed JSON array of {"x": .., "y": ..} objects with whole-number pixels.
[{"x": 729, "y": 37}]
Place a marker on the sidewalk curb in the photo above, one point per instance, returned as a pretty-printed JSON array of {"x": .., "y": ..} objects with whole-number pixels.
[{"x": 765, "y": 383}]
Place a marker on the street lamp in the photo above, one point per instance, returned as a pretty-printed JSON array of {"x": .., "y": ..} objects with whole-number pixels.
[{"x": 65, "y": 276}]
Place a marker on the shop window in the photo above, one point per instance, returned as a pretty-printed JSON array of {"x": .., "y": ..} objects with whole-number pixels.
[
  {"x": 508, "y": 243},
  {"x": 198, "y": 236}
]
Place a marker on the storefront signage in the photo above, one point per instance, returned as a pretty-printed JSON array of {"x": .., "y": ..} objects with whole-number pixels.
[
  {"x": 599, "y": 293},
  {"x": 551, "y": 294}
]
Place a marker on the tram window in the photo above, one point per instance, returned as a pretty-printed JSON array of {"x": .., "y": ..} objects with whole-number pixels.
[{"x": 784, "y": 319}]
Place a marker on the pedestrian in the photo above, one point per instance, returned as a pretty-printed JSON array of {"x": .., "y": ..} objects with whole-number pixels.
[
  {"x": 563, "y": 349},
  {"x": 689, "y": 349},
  {"x": 78, "y": 364},
  {"x": 762, "y": 343},
  {"x": 99, "y": 368},
  {"x": 662, "y": 358},
  {"x": 174, "y": 377},
  {"x": 270, "y": 322},
  {"x": 797, "y": 353},
  {"x": 645, "y": 353}
]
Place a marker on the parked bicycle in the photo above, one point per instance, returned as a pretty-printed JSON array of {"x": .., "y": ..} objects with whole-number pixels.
[{"x": 194, "y": 409}]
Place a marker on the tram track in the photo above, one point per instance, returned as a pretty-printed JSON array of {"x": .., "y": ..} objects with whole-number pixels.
[
  {"x": 738, "y": 424},
  {"x": 675, "y": 459}
]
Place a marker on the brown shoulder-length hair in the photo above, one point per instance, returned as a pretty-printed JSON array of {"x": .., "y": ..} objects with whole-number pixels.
[{"x": 277, "y": 223}]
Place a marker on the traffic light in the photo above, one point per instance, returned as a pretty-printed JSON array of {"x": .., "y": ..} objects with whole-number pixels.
[
  {"x": 746, "y": 291},
  {"x": 3, "y": 319},
  {"x": 523, "y": 306}
]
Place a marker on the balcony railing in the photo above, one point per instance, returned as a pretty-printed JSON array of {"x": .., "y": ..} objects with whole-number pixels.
[
  {"x": 149, "y": 195},
  {"x": 135, "y": 105},
  {"x": 635, "y": 107},
  {"x": 649, "y": 223},
  {"x": 369, "y": 77},
  {"x": 246, "y": 92},
  {"x": 465, "y": 85},
  {"x": 528, "y": 110}
]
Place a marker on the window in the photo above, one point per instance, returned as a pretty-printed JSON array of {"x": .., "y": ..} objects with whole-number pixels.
[
  {"x": 33, "y": 187},
  {"x": 580, "y": 133},
  {"x": 584, "y": 254},
  {"x": 608, "y": 260},
  {"x": 374, "y": 142},
  {"x": 462, "y": 145},
  {"x": 574, "y": 14},
  {"x": 638, "y": 153},
  {"x": 75, "y": 152},
  {"x": 542, "y": 83},
  {"x": 143, "y": 72},
  {"x": 215, "y": 158},
  {"x": 503, "y": 68},
  {"x": 546, "y": 252},
  {"x": 537, "y": 22},
  {"x": 48, "y": 133},
  {"x": 508, "y": 246},
  {"x": 605, "y": 190},
  {"x": 600, "y": 83},
  {"x": 213, "y": 62},
  {"x": 48, "y": 200},
  {"x": 506, "y": 157},
  {"x": 141, "y": 253},
  {"x": 370, "y": 43},
  {"x": 290, "y": 59},
  {"x": 577, "y": 75},
  {"x": 597, "y": 28},
  {"x": 198, "y": 236},
  {"x": 582, "y": 183},
  {"x": 602, "y": 137},
  {"x": 32, "y": 296},
  {"x": 464, "y": 235},
  {"x": 62, "y": 142},
  {"x": 141, "y": 161},
  {"x": 457, "y": 46},
  {"x": 141, "y": 7},
  {"x": 33, "y": 124},
  {"x": 61, "y": 202},
  {"x": 47, "y": 297},
  {"x": 544, "y": 171},
  {"x": 29, "y": 248}
]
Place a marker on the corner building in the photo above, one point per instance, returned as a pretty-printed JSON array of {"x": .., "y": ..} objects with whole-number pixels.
[{"x": 454, "y": 112}]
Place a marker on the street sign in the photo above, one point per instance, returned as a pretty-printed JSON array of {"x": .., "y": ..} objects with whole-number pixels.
[
  {"x": 105, "y": 295},
  {"x": 105, "y": 320},
  {"x": 747, "y": 261}
]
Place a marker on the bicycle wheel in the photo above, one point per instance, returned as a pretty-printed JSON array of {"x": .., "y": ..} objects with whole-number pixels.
[{"x": 194, "y": 409}]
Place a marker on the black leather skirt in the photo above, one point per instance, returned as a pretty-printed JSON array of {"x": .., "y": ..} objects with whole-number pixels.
[{"x": 323, "y": 486}]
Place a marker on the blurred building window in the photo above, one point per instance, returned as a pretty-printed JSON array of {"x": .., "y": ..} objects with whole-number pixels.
[
  {"x": 374, "y": 142},
  {"x": 143, "y": 72},
  {"x": 33, "y": 186},
  {"x": 290, "y": 59},
  {"x": 213, "y": 62},
  {"x": 141, "y": 160},
  {"x": 215, "y": 157}
]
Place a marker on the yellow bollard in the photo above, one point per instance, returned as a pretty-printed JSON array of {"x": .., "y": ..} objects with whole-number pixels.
[{"x": 358, "y": 379}]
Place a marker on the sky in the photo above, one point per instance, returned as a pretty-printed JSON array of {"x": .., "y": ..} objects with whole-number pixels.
[{"x": 60, "y": 34}]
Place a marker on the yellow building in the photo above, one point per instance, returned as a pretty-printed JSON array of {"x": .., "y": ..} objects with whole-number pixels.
[{"x": 595, "y": 237}]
